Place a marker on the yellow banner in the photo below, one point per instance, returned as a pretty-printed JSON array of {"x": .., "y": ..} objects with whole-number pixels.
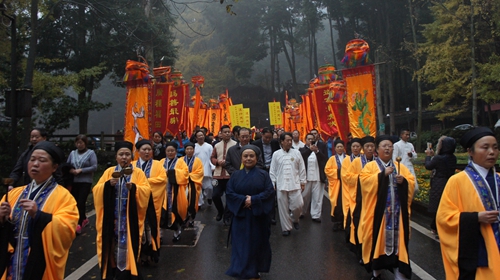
[
  {"x": 275, "y": 116},
  {"x": 136, "y": 114},
  {"x": 360, "y": 89},
  {"x": 246, "y": 117},
  {"x": 236, "y": 112}
]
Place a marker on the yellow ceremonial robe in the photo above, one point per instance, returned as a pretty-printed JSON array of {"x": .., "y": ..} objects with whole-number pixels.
[
  {"x": 456, "y": 218},
  {"x": 157, "y": 181},
  {"x": 334, "y": 181},
  {"x": 373, "y": 223},
  {"x": 142, "y": 194},
  {"x": 349, "y": 186},
  {"x": 182, "y": 179},
  {"x": 57, "y": 235},
  {"x": 196, "y": 175}
]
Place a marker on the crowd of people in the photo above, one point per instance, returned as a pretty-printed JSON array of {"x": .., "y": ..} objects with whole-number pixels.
[{"x": 370, "y": 184}]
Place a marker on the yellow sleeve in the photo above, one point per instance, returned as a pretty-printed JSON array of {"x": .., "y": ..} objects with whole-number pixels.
[
  {"x": 198, "y": 172},
  {"x": 158, "y": 175},
  {"x": 181, "y": 172},
  {"x": 98, "y": 192},
  {"x": 331, "y": 169},
  {"x": 350, "y": 175},
  {"x": 346, "y": 164},
  {"x": 58, "y": 235}
]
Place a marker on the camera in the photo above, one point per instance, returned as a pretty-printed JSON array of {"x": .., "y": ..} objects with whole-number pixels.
[{"x": 313, "y": 142}]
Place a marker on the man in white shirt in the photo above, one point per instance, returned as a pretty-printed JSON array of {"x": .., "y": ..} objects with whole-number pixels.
[
  {"x": 296, "y": 143},
  {"x": 203, "y": 151},
  {"x": 315, "y": 162},
  {"x": 288, "y": 174},
  {"x": 406, "y": 151}
]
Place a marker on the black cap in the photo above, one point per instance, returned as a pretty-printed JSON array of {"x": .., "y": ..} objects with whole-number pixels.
[
  {"x": 338, "y": 141},
  {"x": 124, "y": 144},
  {"x": 381, "y": 138},
  {"x": 173, "y": 144},
  {"x": 189, "y": 144},
  {"x": 142, "y": 142},
  {"x": 251, "y": 147},
  {"x": 55, "y": 152},
  {"x": 367, "y": 139},
  {"x": 357, "y": 140},
  {"x": 473, "y": 135}
]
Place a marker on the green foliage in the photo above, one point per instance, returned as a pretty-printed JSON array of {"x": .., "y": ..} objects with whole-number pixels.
[{"x": 448, "y": 55}]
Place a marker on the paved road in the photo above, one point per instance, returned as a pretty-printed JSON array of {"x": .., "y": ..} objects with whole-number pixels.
[{"x": 313, "y": 252}]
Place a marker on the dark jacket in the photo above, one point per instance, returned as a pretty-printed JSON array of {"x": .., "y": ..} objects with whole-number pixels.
[
  {"x": 275, "y": 145},
  {"x": 322, "y": 147},
  {"x": 233, "y": 159},
  {"x": 443, "y": 167},
  {"x": 20, "y": 171},
  {"x": 321, "y": 157}
]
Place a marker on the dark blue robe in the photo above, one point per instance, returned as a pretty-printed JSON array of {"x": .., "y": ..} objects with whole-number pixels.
[{"x": 250, "y": 228}]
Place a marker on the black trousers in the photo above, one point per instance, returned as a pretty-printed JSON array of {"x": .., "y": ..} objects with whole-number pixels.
[
  {"x": 217, "y": 198},
  {"x": 80, "y": 192}
]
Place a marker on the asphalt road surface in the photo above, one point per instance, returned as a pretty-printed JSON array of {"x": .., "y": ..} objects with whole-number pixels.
[{"x": 312, "y": 252}]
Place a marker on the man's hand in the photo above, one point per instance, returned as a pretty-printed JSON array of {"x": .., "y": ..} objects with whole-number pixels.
[
  {"x": 4, "y": 211},
  {"x": 488, "y": 217},
  {"x": 388, "y": 170},
  {"x": 248, "y": 202},
  {"x": 113, "y": 181},
  {"x": 410, "y": 154},
  {"x": 314, "y": 148},
  {"x": 399, "y": 179},
  {"x": 29, "y": 206},
  {"x": 302, "y": 187},
  {"x": 221, "y": 162}
]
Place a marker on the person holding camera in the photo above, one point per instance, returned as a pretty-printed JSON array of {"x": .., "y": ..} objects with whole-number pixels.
[
  {"x": 404, "y": 149},
  {"x": 315, "y": 162},
  {"x": 467, "y": 217}
]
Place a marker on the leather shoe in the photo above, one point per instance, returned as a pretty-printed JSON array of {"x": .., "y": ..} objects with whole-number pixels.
[
  {"x": 296, "y": 226},
  {"x": 209, "y": 201},
  {"x": 273, "y": 221},
  {"x": 219, "y": 217},
  {"x": 285, "y": 233},
  {"x": 317, "y": 220}
]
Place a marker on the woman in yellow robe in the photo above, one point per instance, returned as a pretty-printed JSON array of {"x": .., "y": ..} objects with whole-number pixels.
[
  {"x": 120, "y": 202},
  {"x": 468, "y": 214},
  {"x": 175, "y": 204},
  {"x": 157, "y": 179},
  {"x": 196, "y": 173},
  {"x": 49, "y": 210},
  {"x": 332, "y": 170},
  {"x": 349, "y": 185},
  {"x": 387, "y": 192}
]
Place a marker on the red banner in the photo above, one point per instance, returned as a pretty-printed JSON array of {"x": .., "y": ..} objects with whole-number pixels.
[
  {"x": 324, "y": 114},
  {"x": 175, "y": 108},
  {"x": 159, "y": 106}
]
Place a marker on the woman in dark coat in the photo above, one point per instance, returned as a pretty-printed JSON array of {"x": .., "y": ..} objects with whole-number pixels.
[
  {"x": 443, "y": 165},
  {"x": 250, "y": 198}
]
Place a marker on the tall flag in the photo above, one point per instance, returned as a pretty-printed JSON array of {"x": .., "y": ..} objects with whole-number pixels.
[
  {"x": 138, "y": 83},
  {"x": 175, "y": 108},
  {"x": 158, "y": 99},
  {"x": 337, "y": 101},
  {"x": 361, "y": 96}
]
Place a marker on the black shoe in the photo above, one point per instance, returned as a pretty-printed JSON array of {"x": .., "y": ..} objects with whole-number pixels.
[
  {"x": 285, "y": 233},
  {"x": 176, "y": 238},
  {"x": 273, "y": 222},
  {"x": 296, "y": 226},
  {"x": 219, "y": 217},
  {"x": 301, "y": 216},
  {"x": 191, "y": 224},
  {"x": 227, "y": 221},
  {"x": 376, "y": 277},
  {"x": 316, "y": 220},
  {"x": 209, "y": 201}
]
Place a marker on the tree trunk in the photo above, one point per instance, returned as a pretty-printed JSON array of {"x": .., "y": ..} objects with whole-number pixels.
[
  {"x": 380, "y": 110},
  {"x": 273, "y": 61},
  {"x": 316, "y": 66},
  {"x": 310, "y": 57},
  {"x": 419, "y": 89},
  {"x": 30, "y": 68},
  {"x": 334, "y": 57},
  {"x": 390, "y": 72}
]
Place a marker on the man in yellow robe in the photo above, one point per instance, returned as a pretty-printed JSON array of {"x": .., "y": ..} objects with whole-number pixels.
[
  {"x": 196, "y": 173},
  {"x": 175, "y": 203},
  {"x": 121, "y": 200},
  {"x": 387, "y": 192},
  {"x": 48, "y": 210},
  {"x": 352, "y": 176},
  {"x": 349, "y": 185},
  {"x": 157, "y": 179},
  {"x": 468, "y": 214},
  {"x": 332, "y": 170}
]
